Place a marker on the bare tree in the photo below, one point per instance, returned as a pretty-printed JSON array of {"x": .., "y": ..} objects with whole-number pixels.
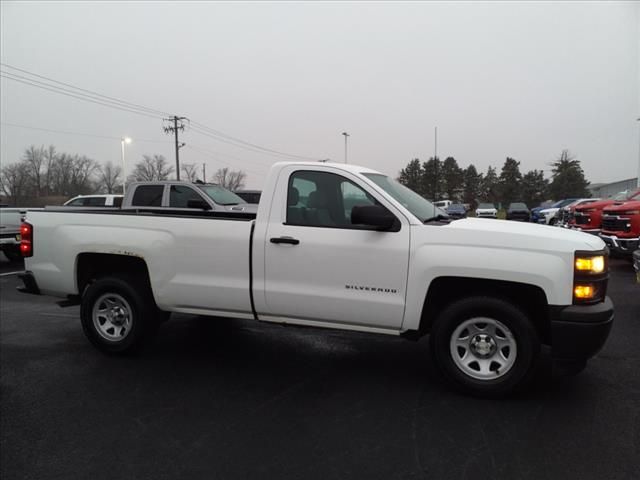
[
  {"x": 14, "y": 181},
  {"x": 150, "y": 169},
  {"x": 34, "y": 158},
  {"x": 230, "y": 179},
  {"x": 49, "y": 160},
  {"x": 189, "y": 171},
  {"x": 109, "y": 177}
]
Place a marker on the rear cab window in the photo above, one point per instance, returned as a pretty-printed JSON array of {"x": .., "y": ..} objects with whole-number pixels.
[{"x": 148, "y": 196}]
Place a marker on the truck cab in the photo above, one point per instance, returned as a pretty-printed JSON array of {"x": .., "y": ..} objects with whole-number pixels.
[{"x": 173, "y": 194}]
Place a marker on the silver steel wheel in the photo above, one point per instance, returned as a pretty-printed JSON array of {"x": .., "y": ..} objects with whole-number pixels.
[
  {"x": 112, "y": 317},
  {"x": 483, "y": 348}
]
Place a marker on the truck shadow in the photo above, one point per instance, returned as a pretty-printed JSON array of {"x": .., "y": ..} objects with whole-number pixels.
[{"x": 258, "y": 351}]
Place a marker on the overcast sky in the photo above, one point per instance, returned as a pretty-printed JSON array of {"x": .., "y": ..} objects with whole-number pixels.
[{"x": 524, "y": 80}]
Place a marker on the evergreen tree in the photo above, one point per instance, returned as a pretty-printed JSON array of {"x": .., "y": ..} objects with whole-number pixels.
[
  {"x": 432, "y": 183},
  {"x": 490, "y": 186},
  {"x": 411, "y": 176},
  {"x": 568, "y": 178},
  {"x": 534, "y": 188},
  {"x": 452, "y": 179},
  {"x": 472, "y": 186},
  {"x": 510, "y": 182}
]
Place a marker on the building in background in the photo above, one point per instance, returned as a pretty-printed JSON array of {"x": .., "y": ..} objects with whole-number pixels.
[{"x": 606, "y": 190}]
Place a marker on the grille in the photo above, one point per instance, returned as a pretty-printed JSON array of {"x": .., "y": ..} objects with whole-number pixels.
[
  {"x": 615, "y": 224},
  {"x": 581, "y": 219}
]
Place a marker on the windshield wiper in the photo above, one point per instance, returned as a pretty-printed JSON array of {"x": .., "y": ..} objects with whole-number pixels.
[{"x": 437, "y": 218}]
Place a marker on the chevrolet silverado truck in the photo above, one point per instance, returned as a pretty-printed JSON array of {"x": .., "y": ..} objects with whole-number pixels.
[
  {"x": 588, "y": 217},
  {"x": 335, "y": 246},
  {"x": 174, "y": 194},
  {"x": 621, "y": 226},
  {"x": 10, "y": 220}
]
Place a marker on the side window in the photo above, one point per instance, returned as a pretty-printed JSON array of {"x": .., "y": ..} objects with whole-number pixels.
[
  {"x": 78, "y": 202},
  {"x": 180, "y": 195},
  {"x": 117, "y": 201},
  {"x": 148, "y": 196},
  {"x": 321, "y": 199},
  {"x": 95, "y": 202}
]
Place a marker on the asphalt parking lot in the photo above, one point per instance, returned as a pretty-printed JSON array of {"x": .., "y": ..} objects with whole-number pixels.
[{"x": 219, "y": 398}]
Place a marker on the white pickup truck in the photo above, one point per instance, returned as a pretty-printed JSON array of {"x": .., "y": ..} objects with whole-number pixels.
[{"x": 335, "y": 246}]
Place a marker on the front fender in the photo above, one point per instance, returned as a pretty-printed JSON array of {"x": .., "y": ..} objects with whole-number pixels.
[{"x": 549, "y": 271}]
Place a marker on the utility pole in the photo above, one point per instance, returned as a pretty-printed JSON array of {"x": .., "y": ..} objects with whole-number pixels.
[
  {"x": 204, "y": 173},
  {"x": 435, "y": 166},
  {"x": 346, "y": 136},
  {"x": 174, "y": 129}
]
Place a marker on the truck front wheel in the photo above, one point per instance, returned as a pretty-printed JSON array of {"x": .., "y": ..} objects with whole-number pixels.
[
  {"x": 118, "y": 313},
  {"x": 484, "y": 346}
]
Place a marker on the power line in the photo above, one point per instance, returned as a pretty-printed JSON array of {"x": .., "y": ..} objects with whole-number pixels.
[
  {"x": 233, "y": 140},
  {"x": 141, "y": 107},
  {"x": 213, "y": 156},
  {"x": 68, "y": 132},
  {"x": 61, "y": 91},
  {"x": 91, "y": 96}
]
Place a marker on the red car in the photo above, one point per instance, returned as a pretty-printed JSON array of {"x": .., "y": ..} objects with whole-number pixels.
[
  {"x": 621, "y": 226},
  {"x": 588, "y": 217}
]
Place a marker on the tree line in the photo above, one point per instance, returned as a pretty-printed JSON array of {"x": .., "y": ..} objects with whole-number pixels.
[
  {"x": 438, "y": 180},
  {"x": 45, "y": 172}
]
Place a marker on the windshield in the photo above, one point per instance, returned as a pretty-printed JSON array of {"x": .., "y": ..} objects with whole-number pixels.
[
  {"x": 519, "y": 206},
  {"x": 486, "y": 206},
  {"x": 221, "y": 195},
  {"x": 456, "y": 206},
  {"x": 417, "y": 205}
]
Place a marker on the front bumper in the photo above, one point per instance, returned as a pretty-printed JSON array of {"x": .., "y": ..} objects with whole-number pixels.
[
  {"x": 621, "y": 245},
  {"x": 578, "y": 332}
]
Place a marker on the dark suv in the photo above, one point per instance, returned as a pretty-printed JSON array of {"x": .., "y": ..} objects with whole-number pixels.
[{"x": 518, "y": 211}]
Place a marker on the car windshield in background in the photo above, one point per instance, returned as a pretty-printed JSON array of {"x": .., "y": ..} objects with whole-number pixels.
[
  {"x": 417, "y": 205},
  {"x": 517, "y": 206},
  {"x": 457, "y": 207},
  {"x": 221, "y": 195},
  {"x": 486, "y": 206}
]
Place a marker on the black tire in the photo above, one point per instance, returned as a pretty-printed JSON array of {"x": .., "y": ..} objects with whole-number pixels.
[
  {"x": 131, "y": 294},
  {"x": 13, "y": 255},
  {"x": 553, "y": 221},
  {"x": 523, "y": 357}
]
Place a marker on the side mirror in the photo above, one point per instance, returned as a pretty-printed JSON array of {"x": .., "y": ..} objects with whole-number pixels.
[
  {"x": 198, "y": 203},
  {"x": 373, "y": 216}
]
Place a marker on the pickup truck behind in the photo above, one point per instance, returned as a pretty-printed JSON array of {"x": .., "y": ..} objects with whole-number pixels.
[
  {"x": 10, "y": 220},
  {"x": 335, "y": 246},
  {"x": 177, "y": 195}
]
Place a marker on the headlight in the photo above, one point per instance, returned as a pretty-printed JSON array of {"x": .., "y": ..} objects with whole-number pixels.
[
  {"x": 590, "y": 276},
  {"x": 590, "y": 264}
]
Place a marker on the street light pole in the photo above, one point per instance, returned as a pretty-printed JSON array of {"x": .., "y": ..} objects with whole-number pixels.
[
  {"x": 346, "y": 136},
  {"x": 124, "y": 140}
]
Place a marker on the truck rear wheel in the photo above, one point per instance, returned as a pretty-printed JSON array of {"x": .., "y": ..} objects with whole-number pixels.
[
  {"x": 118, "y": 313},
  {"x": 484, "y": 346}
]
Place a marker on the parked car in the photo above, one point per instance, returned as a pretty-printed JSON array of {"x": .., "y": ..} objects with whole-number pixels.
[
  {"x": 548, "y": 215},
  {"x": 486, "y": 210},
  {"x": 443, "y": 204},
  {"x": 456, "y": 210},
  {"x": 518, "y": 211},
  {"x": 565, "y": 216},
  {"x": 249, "y": 196},
  {"x": 621, "y": 227},
  {"x": 107, "y": 200},
  {"x": 488, "y": 293},
  {"x": 10, "y": 221},
  {"x": 588, "y": 218}
]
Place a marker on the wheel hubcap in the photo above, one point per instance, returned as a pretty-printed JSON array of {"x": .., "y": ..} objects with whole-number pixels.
[
  {"x": 112, "y": 317},
  {"x": 483, "y": 348}
]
